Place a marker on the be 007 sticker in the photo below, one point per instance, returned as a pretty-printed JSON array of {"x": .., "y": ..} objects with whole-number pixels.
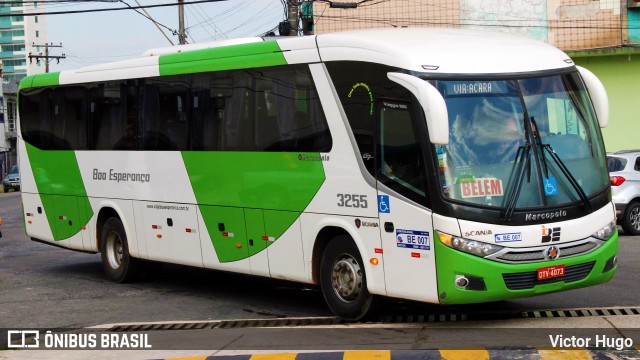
[
  {"x": 508, "y": 237},
  {"x": 412, "y": 239}
]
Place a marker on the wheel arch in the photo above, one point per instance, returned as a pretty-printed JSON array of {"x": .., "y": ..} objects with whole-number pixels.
[
  {"x": 328, "y": 229},
  {"x": 110, "y": 209},
  {"x": 323, "y": 238}
]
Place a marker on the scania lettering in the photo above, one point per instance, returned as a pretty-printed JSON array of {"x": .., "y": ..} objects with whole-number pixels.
[{"x": 435, "y": 165}]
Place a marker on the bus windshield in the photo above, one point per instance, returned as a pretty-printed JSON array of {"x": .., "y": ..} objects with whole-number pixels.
[{"x": 533, "y": 142}]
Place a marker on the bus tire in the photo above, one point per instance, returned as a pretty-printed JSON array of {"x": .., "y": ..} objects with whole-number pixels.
[
  {"x": 343, "y": 280},
  {"x": 118, "y": 264},
  {"x": 631, "y": 219}
]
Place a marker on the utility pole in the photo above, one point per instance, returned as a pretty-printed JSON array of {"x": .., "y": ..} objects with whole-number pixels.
[
  {"x": 182, "y": 39},
  {"x": 46, "y": 55},
  {"x": 293, "y": 17}
]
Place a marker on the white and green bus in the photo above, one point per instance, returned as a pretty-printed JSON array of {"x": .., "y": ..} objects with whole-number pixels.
[{"x": 443, "y": 166}]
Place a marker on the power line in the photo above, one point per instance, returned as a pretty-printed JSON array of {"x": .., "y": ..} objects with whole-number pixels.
[{"x": 105, "y": 9}]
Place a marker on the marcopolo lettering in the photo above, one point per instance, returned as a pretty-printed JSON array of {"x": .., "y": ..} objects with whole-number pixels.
[{"x": 545, "y": 216}]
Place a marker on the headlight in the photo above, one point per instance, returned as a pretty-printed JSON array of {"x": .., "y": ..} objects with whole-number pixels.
[
  {"x": 606, "y": 232},
  {"x": 472, "y": 247}
]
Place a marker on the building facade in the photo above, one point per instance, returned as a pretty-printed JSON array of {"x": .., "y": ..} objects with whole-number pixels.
[
  {"x": 601, "y": 35},
  {"x": 19, "y": 36}
]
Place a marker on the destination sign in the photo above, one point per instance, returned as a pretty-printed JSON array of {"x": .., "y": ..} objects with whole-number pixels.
[{"x": 478, "y": 87}]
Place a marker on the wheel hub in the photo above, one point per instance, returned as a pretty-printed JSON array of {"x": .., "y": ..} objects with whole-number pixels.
[
  {"x": 346, "y": 278},
  {"x": 114, "y": 250},
  {"x": 635, "y": 218}
]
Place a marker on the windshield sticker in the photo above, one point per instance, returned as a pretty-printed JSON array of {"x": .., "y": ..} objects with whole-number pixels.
[
  {"x": 391, "y": 105},
  {"x": 369, "y": 93},
  {"x": 412, "y": 239},
  {"x": 508, "y": 237},
  {"x": 550, "y": 186},
  {"x": 482, "y": 187}
]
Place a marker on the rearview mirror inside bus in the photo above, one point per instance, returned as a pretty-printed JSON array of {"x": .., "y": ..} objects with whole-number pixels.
[{"x": 432, "y": 102}]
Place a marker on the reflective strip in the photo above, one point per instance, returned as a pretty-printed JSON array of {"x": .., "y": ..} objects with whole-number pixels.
[
  {"x": 564, "y": 354},
  {"x": 286, "y": 356},
  {"x": 367, "y": 355},
  {"x": 464, "y": 354}
]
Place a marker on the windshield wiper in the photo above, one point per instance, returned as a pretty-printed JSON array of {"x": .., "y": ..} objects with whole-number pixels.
[
  {"x": 523, "y": 161},
  {"x": 561, "y": 165},
  {"x": 568, "y": 175}
]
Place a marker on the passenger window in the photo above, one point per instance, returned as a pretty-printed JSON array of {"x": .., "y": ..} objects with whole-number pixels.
[
  {"x": 637, "y": 164},
  {"x": 165, "y": 114}
]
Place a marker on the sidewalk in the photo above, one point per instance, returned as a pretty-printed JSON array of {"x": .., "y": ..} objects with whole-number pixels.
[{"x": 508, "y": 339}]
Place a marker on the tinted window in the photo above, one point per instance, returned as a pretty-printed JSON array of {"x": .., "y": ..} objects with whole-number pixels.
[
  {"x": 615, "y": 163},
  {"x": 70, "y": 116},
  {"x": 401, "y": 164},
  {"x": 113, "y": 116},
  {"x": 385, "y": 125},
  {"x": 55, "y": 119},
  {"x": 39, "y": 109},
  {"x": 165, "y": 113},
  {"x": 271, "y": 109}
]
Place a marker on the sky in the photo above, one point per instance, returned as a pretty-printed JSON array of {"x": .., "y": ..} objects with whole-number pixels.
[{"x": 96, "y": 38}]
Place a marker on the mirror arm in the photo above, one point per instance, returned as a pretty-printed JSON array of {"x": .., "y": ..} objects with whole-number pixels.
[{"x": 432, "y": 102}]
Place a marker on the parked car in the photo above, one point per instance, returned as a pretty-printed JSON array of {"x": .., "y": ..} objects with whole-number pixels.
[
  {"x": 12, "y": 180},
  {"x": 624, "y": 171}
]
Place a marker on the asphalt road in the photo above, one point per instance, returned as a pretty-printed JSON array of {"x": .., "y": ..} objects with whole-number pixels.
[{"x": 46, "y": 287}]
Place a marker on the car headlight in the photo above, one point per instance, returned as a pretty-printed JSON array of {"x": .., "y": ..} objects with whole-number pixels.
[
  {"x": 606, "y": 232},
  {"x": 472, "y": 247}
]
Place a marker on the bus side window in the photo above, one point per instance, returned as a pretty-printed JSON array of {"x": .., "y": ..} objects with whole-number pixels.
[
  {"x": 111, "y": 124},
  {"x": 400, "y": 158}
]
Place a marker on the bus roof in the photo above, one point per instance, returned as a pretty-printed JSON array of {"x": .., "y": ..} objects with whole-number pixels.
[
  {"x": 452, "y": 51},
  {"x": 428, "y": 50}
]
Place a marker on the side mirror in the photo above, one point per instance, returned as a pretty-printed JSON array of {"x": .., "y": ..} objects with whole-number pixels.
[
  {"x": 598, "y": 95},
  {"x": 435, "y": 109}
]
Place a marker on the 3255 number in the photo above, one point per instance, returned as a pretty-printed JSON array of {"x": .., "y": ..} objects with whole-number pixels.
[{"x": 352, "y": 201}]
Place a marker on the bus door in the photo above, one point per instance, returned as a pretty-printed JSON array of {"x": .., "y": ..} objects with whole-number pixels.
[{"x": 405, "y": 222}]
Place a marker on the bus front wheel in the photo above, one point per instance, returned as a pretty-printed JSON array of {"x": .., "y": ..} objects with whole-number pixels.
[
  {"x": 343, "y": 280},
  {"x": 118, "y": 264}
]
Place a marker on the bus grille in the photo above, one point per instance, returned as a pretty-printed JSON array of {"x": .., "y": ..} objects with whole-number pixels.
[
  {"x": 527, "y": 280},
  {"x": 566, "y": 250}
]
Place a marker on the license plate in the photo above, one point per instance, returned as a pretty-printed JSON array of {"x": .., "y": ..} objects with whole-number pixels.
[{"x": 551, "y": 272}]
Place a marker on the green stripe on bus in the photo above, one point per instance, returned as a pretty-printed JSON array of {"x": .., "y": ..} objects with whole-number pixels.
[
  {"x": 224, "y": 183},
  {"x": 26, "y": 82},
  {"x": 40, "y": 80},
  {"x": 62, "y": 191},
  {"x": 253, "y": 55}
]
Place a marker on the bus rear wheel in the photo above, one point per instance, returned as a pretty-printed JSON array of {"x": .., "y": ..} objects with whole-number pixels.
[
  {"x": 343, "y": 280},
  {"x": 118, "y": 264}
]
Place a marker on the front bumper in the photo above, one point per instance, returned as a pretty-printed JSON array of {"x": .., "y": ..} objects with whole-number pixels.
[
  {"x": 7, "y": 184},
  {"x": 511, "y": 281}
]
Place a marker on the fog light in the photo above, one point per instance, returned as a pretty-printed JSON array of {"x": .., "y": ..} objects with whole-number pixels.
[
  {"x": 610, "y": 264},
  {"x": 461, "y": 281}
]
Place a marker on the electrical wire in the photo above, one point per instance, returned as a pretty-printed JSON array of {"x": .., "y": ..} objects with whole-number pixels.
[{"x": 106, "y": 9}]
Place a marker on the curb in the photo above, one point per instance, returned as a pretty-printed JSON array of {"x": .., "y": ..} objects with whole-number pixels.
[{"x": 440, "y": 354}]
